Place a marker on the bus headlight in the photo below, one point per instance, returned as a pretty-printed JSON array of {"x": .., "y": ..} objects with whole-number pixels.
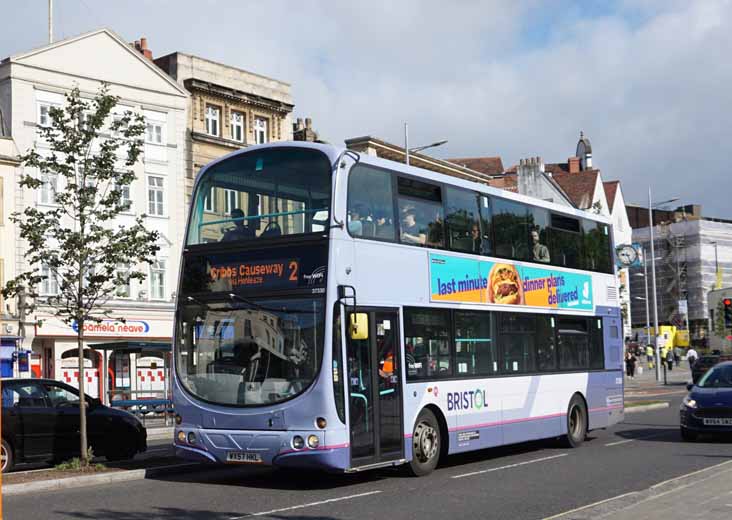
[
  {"x": 298, "y": 442},
  {"x": 321, "y": 423},
  {"x": 182, "y": 437},
  {"x": 313, "y": 441},
  {"x": 191, "y": 438}
]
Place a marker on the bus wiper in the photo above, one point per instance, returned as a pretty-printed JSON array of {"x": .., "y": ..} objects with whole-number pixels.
[
  {"x": 254, "y": 304},
  {"x": 199, "y": 302}
]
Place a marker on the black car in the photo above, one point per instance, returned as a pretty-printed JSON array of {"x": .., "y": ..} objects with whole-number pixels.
[
  {"x": 40, "y": 422},
  {"x": 708, "y": 407}
]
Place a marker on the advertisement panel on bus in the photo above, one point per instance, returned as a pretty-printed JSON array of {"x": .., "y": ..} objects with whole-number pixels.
[{"x": 467, "y": 280}]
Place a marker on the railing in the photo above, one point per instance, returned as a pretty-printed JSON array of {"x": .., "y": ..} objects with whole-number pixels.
[{"x": 145, "y": 407}]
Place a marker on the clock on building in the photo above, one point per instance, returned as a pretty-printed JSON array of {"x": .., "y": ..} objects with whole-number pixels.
[{"x": 627, "y": 255}]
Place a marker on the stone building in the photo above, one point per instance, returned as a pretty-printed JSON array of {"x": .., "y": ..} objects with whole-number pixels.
[
  {"x": 229, "y": 108},
  {"x": 30, "y": 84}
]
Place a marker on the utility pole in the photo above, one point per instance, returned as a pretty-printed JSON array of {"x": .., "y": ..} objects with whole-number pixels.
[
  {"x": 655, "y": 298},
  {"x": 50, "y": 21}
]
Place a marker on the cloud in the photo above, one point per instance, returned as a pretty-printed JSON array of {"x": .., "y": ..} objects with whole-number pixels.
[{"x": 647, "y": 81}]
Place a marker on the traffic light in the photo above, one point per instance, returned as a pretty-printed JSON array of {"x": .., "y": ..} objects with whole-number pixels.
[{"x": 727, "y": 302}]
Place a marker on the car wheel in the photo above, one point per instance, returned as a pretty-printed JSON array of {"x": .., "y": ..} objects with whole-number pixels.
[
  {"x": 117, "y": 453},
  {"x": 6, "y": 457},
  {"x": 426, "y": 444},
  {"x": 576, "y": 423},
  {"x": 688, "y": 435}
]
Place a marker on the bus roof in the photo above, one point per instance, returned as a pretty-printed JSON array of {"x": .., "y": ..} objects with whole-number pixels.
[{"x": 334, "y": 152}]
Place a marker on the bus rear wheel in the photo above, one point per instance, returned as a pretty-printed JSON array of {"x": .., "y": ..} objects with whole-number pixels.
[
  {"x": 576, "y": 423},
  {"x": 426, "y": 444}
]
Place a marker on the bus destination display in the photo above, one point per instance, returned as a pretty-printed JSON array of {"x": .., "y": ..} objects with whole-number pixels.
[{"x": 272, "y": 274}]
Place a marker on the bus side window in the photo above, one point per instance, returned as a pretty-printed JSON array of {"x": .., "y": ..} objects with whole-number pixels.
[
  {"x": 370, "y": 203},
  {"x": 511, "y": 228},
  {"x": 463, "y": 222},
  {"x": 420, "y": 213}
]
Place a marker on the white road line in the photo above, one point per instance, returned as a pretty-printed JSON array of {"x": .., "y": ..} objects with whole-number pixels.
[
  {"x": 509, "y": 466},
  {"x": 303, "y": 506},
  {"x": 655, "y": 486},
  {"x": 618, "y": 443}
]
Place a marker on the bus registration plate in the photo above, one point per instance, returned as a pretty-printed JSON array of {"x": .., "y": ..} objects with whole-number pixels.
[
  {"x": 243, "y": 457},
  {"x": 717, "y": 422}
]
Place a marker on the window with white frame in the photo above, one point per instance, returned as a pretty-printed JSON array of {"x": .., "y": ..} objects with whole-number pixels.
[
  {"x": 209, "y": 203},
  {"x": 44, "y": 114},
  {"x": 260, "y": 130},
  {"x": 155, "y": 195},
  {"x": 213, "y": 118},
  {"x": 49, "y": 284},
  {"x": 154, "y": 132},
  {"x": 237, "y": 126},
  {"x": 157, "y": 280},
  {"x": 231, "y": 198},
  {"x": 124, "y": 289},
  {"x": 125, "y": 198},
  {"x": 49, "y": 188}
]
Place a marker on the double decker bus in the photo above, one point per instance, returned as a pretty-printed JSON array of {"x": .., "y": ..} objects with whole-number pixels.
[{"x": 344, "y": 312}]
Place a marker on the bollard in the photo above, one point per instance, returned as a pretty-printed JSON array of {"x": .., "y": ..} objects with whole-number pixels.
[{"x": 665, "y": 381}]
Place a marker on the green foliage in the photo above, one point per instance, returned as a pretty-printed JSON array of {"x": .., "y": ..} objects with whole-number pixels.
[
  {"x": 77, "y": 464},
  {"x": 718, "y": 327},
  {"x": 92, "y": 154}
]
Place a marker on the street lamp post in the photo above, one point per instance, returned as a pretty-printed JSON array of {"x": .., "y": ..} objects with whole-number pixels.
[
  {"x": 408, "y": 150},
  {"x": 717, "y": 284}
]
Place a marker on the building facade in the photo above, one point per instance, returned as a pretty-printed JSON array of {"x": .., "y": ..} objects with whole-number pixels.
[
  {"x": 9, "y": 320},
  {"x": 689, "y": 254},
  {"x": 229, "y": 108},
  {"x": 30, "y": 84}
]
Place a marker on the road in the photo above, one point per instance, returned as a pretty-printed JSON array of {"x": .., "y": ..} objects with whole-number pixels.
[{"x": 528, "y": 481}]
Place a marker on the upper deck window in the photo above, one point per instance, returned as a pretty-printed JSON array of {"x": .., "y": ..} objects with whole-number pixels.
[
  {"x": 370, "y": 203},
  {"x": 267, "y": 193},
  {"x": 420, "y": 213}
]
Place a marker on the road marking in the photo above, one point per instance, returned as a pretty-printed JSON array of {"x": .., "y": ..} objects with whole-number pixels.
[
  {"x": 635, "y": 493},
  {"x": 509, "y": 466},
  {"x": 303, "y": 506},
  {"x": 618, "y": 443}
]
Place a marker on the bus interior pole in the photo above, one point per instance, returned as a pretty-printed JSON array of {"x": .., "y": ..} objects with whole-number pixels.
[{"x": 653, "y": 273}]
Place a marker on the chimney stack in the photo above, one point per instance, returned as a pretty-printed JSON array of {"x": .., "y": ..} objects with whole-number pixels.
[
  {"x": 141, "y": 47},
  {"x": 574, "y": 164},
  {"x": 308, "y": 123}
]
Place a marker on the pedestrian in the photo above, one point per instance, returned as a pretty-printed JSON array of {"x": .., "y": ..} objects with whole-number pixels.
[
  {"x": 630, "y": 360},
  {"x": 649, "y": 356},
  {"x": 691, "y": 356},
  {"x": 670, "y": 359},
  {"x": 677, "y": 356}
]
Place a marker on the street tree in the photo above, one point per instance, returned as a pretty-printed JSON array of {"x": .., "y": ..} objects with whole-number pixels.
[{"x": 77, "y": 245}]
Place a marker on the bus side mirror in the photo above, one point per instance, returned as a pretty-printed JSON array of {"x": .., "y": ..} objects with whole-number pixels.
[{"x": 359, "y": 326}]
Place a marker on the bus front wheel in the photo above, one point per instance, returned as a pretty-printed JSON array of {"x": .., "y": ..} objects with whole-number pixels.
[
  {"x": 576, "y": 423},
  {"x": 426, "y": 444}
]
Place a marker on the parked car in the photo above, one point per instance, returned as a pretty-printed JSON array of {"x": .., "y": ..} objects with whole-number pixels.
[
  {"x": 706, "y": 362},
  {"x": 708, "y": 407},
  {"x": 40, "y": 422}
]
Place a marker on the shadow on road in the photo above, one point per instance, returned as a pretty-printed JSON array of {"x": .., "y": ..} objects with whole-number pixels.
[
  {"x": 174, "y": 513},
  {"x": 672, "y": 435}
]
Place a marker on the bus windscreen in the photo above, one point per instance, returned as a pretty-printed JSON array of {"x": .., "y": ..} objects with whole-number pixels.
[{"x": 267, "y": 193}]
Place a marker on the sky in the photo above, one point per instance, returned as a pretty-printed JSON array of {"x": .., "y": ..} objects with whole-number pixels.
[{"x": 648, "y": 81}]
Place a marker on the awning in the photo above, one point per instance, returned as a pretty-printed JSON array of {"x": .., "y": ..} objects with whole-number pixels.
[{"x": 133, "y": 346}]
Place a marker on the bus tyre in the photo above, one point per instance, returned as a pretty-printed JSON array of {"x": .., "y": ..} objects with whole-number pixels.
[
  {"x": 426, "y": 444},
  {"x": 688, "y": 435},
  {"x": 576, "y": 423},
  {"x": 6, "y": 456}
]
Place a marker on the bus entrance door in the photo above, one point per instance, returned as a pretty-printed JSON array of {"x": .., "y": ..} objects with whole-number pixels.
[{"x": 375, "y": 391}]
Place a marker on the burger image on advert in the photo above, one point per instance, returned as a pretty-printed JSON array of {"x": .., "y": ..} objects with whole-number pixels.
[{"x": 505, "y": 285}]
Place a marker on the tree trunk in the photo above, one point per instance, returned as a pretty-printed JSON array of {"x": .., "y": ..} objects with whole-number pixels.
[{"x": 82, "y": 397}]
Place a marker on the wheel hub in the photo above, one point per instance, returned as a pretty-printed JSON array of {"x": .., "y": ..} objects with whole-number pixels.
[{"x": 425, "y": 442}]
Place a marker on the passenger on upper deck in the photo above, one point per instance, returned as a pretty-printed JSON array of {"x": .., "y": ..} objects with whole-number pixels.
[
  {"x": 540, "y": 251},
  {"x": 241, "y": 229},
  {"x": 410, "y": 232}
]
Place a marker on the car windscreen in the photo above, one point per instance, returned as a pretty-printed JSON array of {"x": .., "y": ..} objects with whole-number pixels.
[{"x": 717, "y": 377}]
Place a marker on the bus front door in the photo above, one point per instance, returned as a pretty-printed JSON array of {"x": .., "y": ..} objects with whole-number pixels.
[{"x": 375, "y": 391}]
